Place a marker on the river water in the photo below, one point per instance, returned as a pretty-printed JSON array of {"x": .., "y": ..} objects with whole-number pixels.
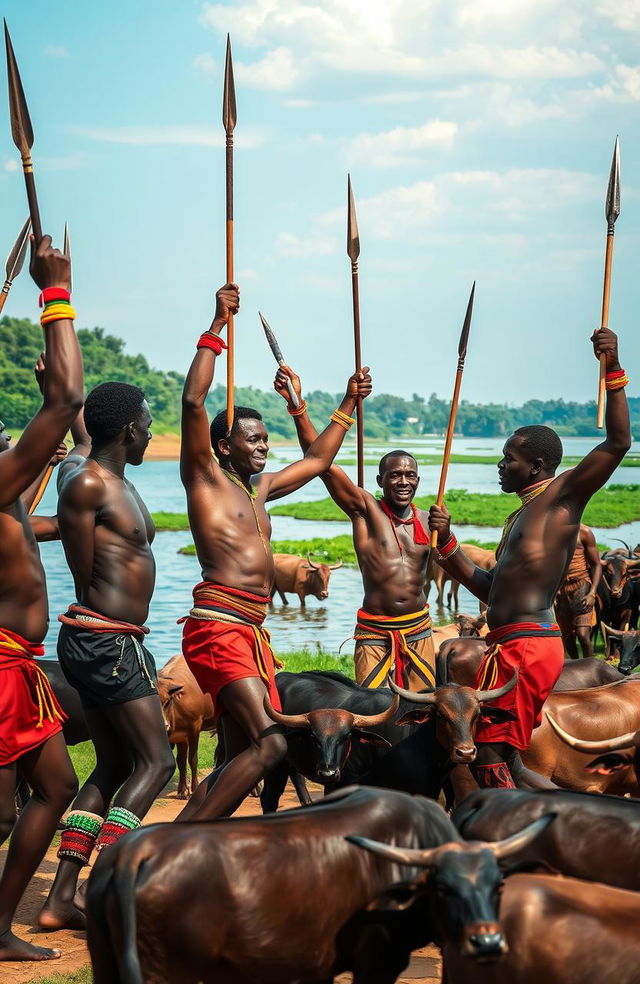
[{"x": 322, "y": 625}]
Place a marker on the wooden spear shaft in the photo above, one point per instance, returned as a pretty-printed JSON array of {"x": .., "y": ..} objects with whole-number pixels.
[
  {"x": 353, "y": 252},
  {"x": 229, "y": 117},
  {"x": 611, "y": 211}
]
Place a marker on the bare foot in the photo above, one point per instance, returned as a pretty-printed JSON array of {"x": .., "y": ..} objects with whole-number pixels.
[
  {"x": 13, "y": 948},
  {"x": 61, "y": 915}
]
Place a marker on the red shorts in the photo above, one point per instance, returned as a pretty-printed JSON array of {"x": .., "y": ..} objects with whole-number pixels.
[
  {"x": 537, "y": 653},
  {"x": 218, "y": 653},
  {"x": 29, "y": 711}
]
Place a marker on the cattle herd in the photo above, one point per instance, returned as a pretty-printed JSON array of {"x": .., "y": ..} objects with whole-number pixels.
[{"x": 514, "y": 886}]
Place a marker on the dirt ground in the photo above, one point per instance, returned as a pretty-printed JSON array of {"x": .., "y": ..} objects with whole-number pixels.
[{"x": 424, "y": 967}]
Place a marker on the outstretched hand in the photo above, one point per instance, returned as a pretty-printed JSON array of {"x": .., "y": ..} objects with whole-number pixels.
[
  {"x": 227, "y": 303},
  {"x": 49, "y": 267},
  {"x": 440, "y": 522},
  {"x": 605, "y": 342},
  {"x": 360, "y": 385},
  {"x": 283, "y": 374}
]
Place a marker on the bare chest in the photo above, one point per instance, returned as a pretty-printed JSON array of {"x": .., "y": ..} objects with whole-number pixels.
[{"x": 124, "y": 515}]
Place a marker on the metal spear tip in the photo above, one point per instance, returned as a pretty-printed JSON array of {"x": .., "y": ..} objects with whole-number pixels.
[
  {"x": 229, "y": 115},
  {"x": 18, "y": 252},
  {"x": 464, "y": 334},
  {"x": 21, "y": 129},
  {"x": 66, "y": 248},
  {"x": 265, "y": 323},
  {"x": 353, "y": 236},
  {"x": 612, "y": 204}
]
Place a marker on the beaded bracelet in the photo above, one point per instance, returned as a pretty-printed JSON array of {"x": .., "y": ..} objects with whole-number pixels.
[
  {"x": 56, "y": 311},
  {"x": 338, "y": 417},
  {"x": 298, "y": 411},
  {"x": 209, "y": 340},
  {"x": 615, "y": 380},
  {"x": 449, "y": 549},
  {"x": 53, "y": 294}
]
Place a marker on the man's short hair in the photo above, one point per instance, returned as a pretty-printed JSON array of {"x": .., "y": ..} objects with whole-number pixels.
[
  {"x": 393, "y": 454},
  {"x": 218, "y": 428},
  {"x": 541, "y": 442},
  {"x": 110, "y": 407}
]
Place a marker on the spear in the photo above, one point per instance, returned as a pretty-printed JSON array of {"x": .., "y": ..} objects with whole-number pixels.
[
  {"x": 22, "y": 132},
  {"x": 15, "y": 260},
  {"x": 462, "y": 354},
  {"x": 278, "y": 356},
  {"x": 229, "y": 118},
  {"x": 66, "y": 248},
  {"x": 353, "y": 252},
  {"x": 611, "y": 211}
]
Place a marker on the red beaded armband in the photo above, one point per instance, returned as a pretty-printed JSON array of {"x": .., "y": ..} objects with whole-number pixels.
[
  {"x": 53, "y": 294},
  {"x": 449, "y": 548},
  {"x": 615, "y": 380},
  {"x": 208, "y": 340}
]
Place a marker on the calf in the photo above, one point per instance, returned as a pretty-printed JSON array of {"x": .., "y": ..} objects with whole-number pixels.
[
  {"x": 560, "y": 931},
  {"x": 187, "y": 711},
  {"x": 302, "y": 577},
  {"x": 286, "y": 897}
]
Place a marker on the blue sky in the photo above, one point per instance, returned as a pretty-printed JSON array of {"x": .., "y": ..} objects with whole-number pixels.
[{"x": 478, "y": 134}]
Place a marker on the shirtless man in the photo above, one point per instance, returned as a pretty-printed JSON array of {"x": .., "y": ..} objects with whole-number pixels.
[
  {"x": 393, "y": 629},
  {"x": 576, "y": 596},
  {"x": 538, "y": 542},
  {"x": 107, "y": 533},
  {"x": 31, "y": 740},
  {"x": 223, "y": 642}
]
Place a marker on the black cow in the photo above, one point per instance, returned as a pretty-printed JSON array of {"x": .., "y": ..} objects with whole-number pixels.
[
  {"x": 616, "y": 600},
  {"x": 627, "y": 643},
  {"x": 418, "y": 747},
  {"x": 287, "y": 897},
  {"x": 592, "y": 837}
]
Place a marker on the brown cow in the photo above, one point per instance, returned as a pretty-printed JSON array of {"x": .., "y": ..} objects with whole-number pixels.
[
  {"x": 613, "y": 754},
  {"x": 560, "y": 931},
  {"x": 596, "y": 713},
  {"x": 186, "y": 712},
  {"x": 302, "y": 577},
  {"x": 464, "y": 627}
]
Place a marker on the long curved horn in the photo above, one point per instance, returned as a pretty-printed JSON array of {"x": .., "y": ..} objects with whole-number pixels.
[
  {"x": 516, "y": 842},
  {"x": 401, "y": 855},
  {"x": 374, "y": 720},
  {"x": 335, "y": 567},
  {"x": 624, "y": 544},
  {"x": 610, "y": 631},
  {"x": 311, "y": 564},
  {"x": 632, "y": 563},
  {"x": 594, "y": 747},
  {"x": 428, "y": 698},
  {"x": 483, "y": 695},
  {"x": 286, "y": 720}
]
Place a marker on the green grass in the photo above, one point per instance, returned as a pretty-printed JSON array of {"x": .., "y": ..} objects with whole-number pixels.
[
  {"x": 608, "y": 508},
  {"x": 327, "y": 550},
  {"x": 630, "y": 461},
  {"x": 170, "y": 521},
  {"x": 82, "y": 976}
]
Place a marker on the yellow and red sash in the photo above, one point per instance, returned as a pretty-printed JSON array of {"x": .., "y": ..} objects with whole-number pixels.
[{"x": 396, "y": 632}]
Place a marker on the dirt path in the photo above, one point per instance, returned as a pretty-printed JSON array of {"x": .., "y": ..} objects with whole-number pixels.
[{"x": 424, "y": 967}]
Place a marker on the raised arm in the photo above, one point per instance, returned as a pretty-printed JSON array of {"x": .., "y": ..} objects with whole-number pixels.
[
  {"x": 45, "y": 528},
  {"x": 320, "y": 454},
  {"x": 62, "y": 391},
  {"x": 344, "y": 492},
  {"x": 458, "y": 564},
  {"x": 32, "y": 495},
  {"x": 580, "y": 483},
  {"x": 196, "y": 458}
]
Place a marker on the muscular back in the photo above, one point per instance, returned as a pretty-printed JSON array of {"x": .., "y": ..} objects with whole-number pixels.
[
  {"x": 107, "y": 533},
  {"x": 23, "y": 593}
]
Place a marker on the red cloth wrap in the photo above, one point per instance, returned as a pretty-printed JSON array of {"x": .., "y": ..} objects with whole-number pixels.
[
  {"x": 29, "y": 711},
  {"x": 536, "y": 651},
  {"x": 220, "y": 652},
  {"x": 420, "y": 535}
]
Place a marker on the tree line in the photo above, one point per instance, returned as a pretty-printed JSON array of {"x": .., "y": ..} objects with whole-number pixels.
[{"x": 386, "y": 416}]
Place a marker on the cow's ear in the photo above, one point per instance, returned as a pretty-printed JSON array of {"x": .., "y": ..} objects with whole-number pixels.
[
  {"x": 498, "y": 714},
  {"x": 610, "y": 762},
  {"x": 417, "y": 716},
  {"x": 397, "y": 898},
  {"x": 368, "y": 738}
]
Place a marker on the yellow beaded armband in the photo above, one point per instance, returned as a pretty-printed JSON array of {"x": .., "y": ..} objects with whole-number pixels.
[
  {"x": 298, "y": 411},
  {"x": 338, "y": 417}
]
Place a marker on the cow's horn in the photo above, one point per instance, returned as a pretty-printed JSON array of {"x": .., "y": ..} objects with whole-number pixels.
[
  {"x": 594, "y": 747},
  {"x": 335, "y": 567},
  {"x": 610, "y": 631},
  {"x": 401, "y": 855},
  {"x": 632, "y": 564},
  {"x": 311, "y": 563},
  {"x": 483, "y": 695},
  {"x": 374, "y": 720},
  {"x": 286, "y": 720},
  {"x": 415, "y": 698},
  {"x": 510, "y": 845}
]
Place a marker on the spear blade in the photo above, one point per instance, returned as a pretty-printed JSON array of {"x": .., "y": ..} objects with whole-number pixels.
[
  {"x": 612, "y": 203},
  {"x": 229, "y": 116},
  {"x": 15, "y": 259},
  {"x": 353, "y": 235},
  {"x": 66, "y": 248},
  {"x": 21, "y": 128},
  {"x": 464, "y": 334},
  {"x": 277, "y": 352}
]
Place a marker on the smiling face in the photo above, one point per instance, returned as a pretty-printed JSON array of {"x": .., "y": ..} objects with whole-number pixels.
[
  {"x": 517, "y": 468},
  {"x": 139, "y": 435},
  {"x": 399, "y": 480},
  {"x": 4, "y": 438},
  {"x": 247, "y": 446}
]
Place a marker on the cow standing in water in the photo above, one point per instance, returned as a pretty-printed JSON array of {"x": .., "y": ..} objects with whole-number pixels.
[
  {"x": 302, "y": 577},
  {"x": 393, "y": 629}
]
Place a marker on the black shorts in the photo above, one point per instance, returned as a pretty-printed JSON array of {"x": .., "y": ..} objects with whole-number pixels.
[{"x": 106, "y": 668}]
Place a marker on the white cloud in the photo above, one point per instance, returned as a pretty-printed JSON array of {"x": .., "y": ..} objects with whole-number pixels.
[
  {"x": 178, "y": 134},
  {"x": 316, "y": 245},
  {"x": 624, "y": 14},
  {"x": 56, "y": 51},
  {"x": 400, "y": 145},
  {"x": 277, "y": 71},
  {"x": 11, "y": 165},
  {"x": 206, "y": 63}
]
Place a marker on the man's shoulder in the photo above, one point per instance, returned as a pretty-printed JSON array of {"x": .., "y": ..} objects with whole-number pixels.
[{"x": 84, "y": 481}]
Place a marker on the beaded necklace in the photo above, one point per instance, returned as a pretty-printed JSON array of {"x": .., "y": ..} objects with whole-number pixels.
[
  {"x": 252, "y": 493},
  {"x": 526, "y": 496}
]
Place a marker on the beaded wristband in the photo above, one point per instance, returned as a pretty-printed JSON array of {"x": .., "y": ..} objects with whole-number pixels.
[
  {"x": 209, "y": 340},
  {"x": 343, "y": 419},
  {"x": 53, "y": 294},
  {"x": 57, "y": 311},
  {"x": 615, "y": 380},
  {"x": 297, "y": 412},
  {"x": 449, "y": 549}
]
